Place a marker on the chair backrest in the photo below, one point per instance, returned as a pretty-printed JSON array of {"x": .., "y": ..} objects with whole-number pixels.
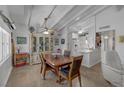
[
  {"x": 67, "y": 53},
  {"x": 75, "y": 66}
]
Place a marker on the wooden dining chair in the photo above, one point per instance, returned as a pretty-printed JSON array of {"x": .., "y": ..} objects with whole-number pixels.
[
  {"x": 41, "y": 60},
  {"x": 72, "y": 72},
  {"x": 44, "y": 67},
  {"x": 67, "y": 53}
]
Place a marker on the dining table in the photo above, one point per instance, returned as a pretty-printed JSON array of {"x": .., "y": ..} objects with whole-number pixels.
[{"x": 57, "y": 61}]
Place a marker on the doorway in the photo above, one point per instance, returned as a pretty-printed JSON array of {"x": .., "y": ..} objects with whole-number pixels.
[
  {"x": 108, "y": 40},
  {"x": 108, "y": 43}
]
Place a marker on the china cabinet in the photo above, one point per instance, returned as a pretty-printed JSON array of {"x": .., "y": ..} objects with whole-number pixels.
[{"x": 40, "y": 43}]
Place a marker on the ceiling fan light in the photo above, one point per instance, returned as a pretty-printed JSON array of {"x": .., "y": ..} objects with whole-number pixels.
[
  {"x": 80, "y": 32},
  {"x": 46, "y": 32}
]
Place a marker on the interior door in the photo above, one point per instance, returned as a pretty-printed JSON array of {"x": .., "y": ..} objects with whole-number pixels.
[
  {"x": 107, "y": 43},
  {"x": 108, "y": 40}
]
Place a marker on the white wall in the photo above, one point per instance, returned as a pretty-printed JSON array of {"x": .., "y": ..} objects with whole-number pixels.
[
  {"x": 5, "y": 67},
  {"x": 64, "y": 36},
  {"x": 22, "y": 31},
  {"x": 113, "y": 16}
]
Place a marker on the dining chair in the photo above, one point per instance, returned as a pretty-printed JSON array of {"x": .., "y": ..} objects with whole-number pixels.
[
  {"x": 44, "y": 67},
  {"x": 72, "y": 72},
  {"x": 67, "y": 53},
  {"x": 41, "y": 60}
]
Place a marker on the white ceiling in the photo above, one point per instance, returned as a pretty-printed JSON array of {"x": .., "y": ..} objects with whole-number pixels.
[
  {"x": 16, "y": 13},
  {"x": 62, "y": 15},
  {"x": 21, "y": 13},
  {"x": 41, "y": 12}
]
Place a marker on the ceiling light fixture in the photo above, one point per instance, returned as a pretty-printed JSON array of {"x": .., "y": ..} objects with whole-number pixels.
[
  {"x": 77, "y": 18},
  {"x": 80, "y": 32},
  {"x": 46, "y": 32}
]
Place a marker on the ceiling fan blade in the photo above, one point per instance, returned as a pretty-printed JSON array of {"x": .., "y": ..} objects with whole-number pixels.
[{"x": 44, "y": 29}]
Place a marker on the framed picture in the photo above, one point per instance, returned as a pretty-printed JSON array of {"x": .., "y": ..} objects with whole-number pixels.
[
  {"x": 56, "y": 41},
  {"x": 62, "y": 41},
  {"x": 121, "y": 39},
  {"x": 21, "y": 40},
  {"x": 98, "y": 40}
]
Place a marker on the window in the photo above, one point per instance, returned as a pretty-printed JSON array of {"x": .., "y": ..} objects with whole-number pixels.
[{"x": 4, "y": 45}]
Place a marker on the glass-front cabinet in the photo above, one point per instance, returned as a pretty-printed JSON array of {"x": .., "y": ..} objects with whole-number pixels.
[
  {"x": 34, "y": 44},
  {"x": 47, "y": 45},
  {"x": 51, "y": 44},
  {"x": 41, "y": 43}
]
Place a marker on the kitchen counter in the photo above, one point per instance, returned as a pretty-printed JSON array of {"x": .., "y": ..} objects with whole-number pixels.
[{"x": 91, "y": 57}]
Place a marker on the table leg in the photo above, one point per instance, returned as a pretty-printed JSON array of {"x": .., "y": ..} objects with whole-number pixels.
[{"x": 57, "y": 73}]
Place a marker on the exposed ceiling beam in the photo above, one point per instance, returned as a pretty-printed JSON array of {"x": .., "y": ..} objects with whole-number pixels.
[
  {"x": 82, "y": 14},
  {"x": 63, "y": 16},
  {"x": 89, "y": 13},
  {"x": 72, "y": 14}
]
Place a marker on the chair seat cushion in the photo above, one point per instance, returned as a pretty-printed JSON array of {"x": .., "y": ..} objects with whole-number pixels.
[
  {"x": 65, "y": 71},
  {"x": 66, "y": 68}
]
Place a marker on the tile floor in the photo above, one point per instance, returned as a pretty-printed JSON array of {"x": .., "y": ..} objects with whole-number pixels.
[{"x": 29, "y": 76}]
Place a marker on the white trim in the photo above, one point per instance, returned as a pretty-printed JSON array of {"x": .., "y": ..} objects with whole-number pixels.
[
  {"x": 6, "y": 78},
  {"x": 4, "y": 60},
  {"x": 90, "y": 65},
  {"x": 95, "y": 63}
]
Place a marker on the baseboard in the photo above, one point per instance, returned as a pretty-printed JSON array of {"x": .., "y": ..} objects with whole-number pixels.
[
  {"x": 95, "y": 63},
  {"x": 6, "y": 78}
]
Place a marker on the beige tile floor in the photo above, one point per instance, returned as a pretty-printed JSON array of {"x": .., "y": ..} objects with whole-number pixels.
[{"x": 29, "y": 76}]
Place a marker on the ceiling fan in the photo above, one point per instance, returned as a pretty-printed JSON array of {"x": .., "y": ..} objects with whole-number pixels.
[
  {"x": 31, "y": 28},
  {"x": 44, "y": 27}
]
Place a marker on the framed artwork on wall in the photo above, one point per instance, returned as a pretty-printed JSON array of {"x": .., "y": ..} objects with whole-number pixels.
[
  {"x": 98, "y": 40},
  {"x": 21, "y": 40},
  {"x": 62, "y": 41},
  {"x": 121, "y": 39}
]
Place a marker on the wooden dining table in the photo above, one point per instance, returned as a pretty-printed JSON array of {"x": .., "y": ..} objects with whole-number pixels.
[{"x": 57, "y": 62}]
